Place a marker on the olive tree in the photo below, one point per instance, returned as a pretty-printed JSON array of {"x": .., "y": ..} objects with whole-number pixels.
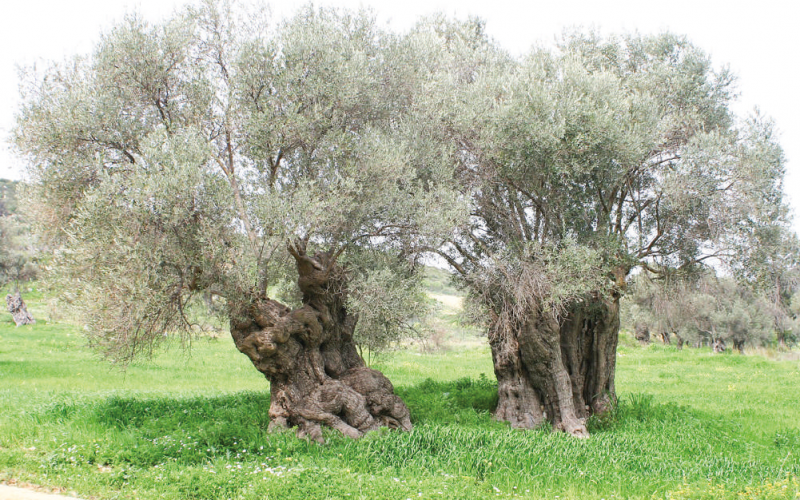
[
  {"x": 220, "y": 153},
  {"x": 18, "y": 252},
  {"x": 661, "y": 307},
  {"x": 582, "y": 164},
  {"x": 704, "y": 310},
  {"x": 772, "y": 265}
]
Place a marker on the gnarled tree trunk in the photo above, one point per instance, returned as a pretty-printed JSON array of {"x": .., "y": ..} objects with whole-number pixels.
[
  {"x": 310, "y": 359},
  {"x": 561, "y": 371},
  {"x": 18, "y": 310}
]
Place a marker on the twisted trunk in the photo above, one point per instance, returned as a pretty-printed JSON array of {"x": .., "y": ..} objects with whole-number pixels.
[
  {"x": 16, "y": 306},
  {"x": 561, "y": 371},
  {"x": 309, "y": 357}
]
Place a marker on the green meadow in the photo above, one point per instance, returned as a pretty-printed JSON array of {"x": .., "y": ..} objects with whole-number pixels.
[{"x": 193, "y": 425}]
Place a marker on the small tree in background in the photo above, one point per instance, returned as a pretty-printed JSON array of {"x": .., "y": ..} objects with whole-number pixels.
[
  {"x": 18, "y": 253},
  {"x": 772, "y": 265},
  {"x": 662, "y": 308},
  {"x": 18, "y": 248},
  {"x": 723, "y": 312}
]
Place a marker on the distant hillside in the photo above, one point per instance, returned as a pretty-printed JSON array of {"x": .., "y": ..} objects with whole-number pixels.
[{"x": 440, "y": 281}]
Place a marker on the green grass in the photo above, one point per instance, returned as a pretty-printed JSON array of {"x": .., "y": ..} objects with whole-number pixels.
[{"x": 690, "y": 425}]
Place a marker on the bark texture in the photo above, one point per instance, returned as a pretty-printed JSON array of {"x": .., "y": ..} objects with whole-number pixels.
[
  {"x": 16, "y": 306},
  {"x": 557, "y": 371},
  {"x": 309, "y": 357}
]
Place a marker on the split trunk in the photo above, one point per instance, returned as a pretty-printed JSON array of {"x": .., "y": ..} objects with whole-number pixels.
[{"x": 559, "y": 371}]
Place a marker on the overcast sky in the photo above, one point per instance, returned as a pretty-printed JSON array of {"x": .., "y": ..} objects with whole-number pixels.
[{"x": 760, "y": 41}]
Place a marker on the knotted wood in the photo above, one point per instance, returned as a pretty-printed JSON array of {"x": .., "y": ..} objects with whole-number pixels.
[
  {"x": 308, "y": 354},
  {"x": 18, "y": 310}
]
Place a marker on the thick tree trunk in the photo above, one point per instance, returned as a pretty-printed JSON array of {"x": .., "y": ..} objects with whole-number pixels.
[
  {"x": 308, "y": 354},
  {"x": 18, "y": 310},
  {"x": 561, "y": 372},
  {"x": 518, "y": 401}
]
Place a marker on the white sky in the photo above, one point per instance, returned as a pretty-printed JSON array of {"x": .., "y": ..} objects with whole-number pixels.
[{"x": 760, "y": 41}]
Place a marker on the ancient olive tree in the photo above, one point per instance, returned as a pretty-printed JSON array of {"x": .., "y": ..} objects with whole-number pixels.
[
  {"x": 582, "y": 164},
  {"x": 219, "y": 153}
]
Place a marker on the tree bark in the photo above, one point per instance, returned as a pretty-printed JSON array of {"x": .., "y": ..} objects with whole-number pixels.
[
  {"x": 559, "y": 371},
  {"x": 18, "y": 310},
  {"x": 309, "y": 357}
]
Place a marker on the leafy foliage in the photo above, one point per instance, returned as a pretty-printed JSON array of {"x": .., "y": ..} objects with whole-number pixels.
[
  {"x": 180, "y": 158},
  {"x": 19, "y": 249},
  {"x": 703, "y": 311},
  {"x": 624, "y": 145}
]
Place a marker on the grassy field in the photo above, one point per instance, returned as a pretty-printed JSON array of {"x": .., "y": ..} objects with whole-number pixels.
[{"x": 690, "y": 425}]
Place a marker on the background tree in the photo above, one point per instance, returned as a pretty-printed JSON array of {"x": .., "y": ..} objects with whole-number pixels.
[
  {"x": 219, "y": 153},
  {"x": 736, "y": 316},
  {"x": 663, "y": 307},
  {"x": 18, "y": 252},
  {"x": 704, "y": 310},
  {"x": 18, "y": 248},
  {"x": 581, "y": 164},
  {"x": 772, "y": 265}
]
